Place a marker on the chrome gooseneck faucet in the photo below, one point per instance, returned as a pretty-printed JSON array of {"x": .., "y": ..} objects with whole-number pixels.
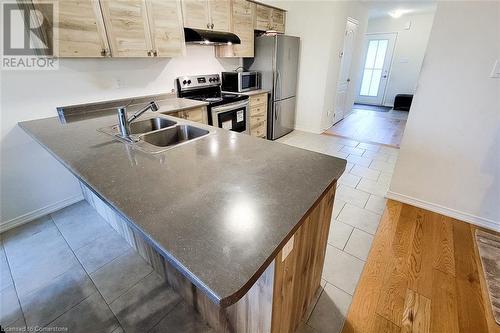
[{"x": 124, "y": 122}]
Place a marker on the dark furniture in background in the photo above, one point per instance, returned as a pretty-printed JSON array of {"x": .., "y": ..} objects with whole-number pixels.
[{"x": 402, "y": 102}]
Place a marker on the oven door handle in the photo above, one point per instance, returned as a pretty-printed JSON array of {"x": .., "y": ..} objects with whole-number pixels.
[{"x": 230, "y": 107}]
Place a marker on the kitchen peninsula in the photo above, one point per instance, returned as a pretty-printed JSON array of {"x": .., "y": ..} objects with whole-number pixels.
[{"x": 236, "y": 225}]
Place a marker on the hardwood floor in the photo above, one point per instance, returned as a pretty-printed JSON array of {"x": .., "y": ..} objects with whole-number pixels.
[
  {"x": 372, "y": 127},
  {"x": 423, "y": 274}
]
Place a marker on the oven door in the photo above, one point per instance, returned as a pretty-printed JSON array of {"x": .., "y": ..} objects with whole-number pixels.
[
  {"x": 248, "y": 81},
  {"x": 233, "y": 116}
]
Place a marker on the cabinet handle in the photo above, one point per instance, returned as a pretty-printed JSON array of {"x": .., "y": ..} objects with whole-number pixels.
[
  {"x": 104, "y": 52},
  {"x": 212, "y": 26},
  {"x": 149, "y": 53},
  {"x": 155, "y": 53},
  {"x": 208, "y": 25}
]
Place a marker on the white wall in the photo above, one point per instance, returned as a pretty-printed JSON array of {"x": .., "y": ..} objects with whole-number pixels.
[
  {"x": 449, "y": 160},
  {"x": 408, "y": 52},
  {"x": 31, "y": 179},
  {"x": 321, "y": 26}
]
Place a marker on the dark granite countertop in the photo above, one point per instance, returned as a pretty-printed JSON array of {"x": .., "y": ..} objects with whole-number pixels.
[{"x": 219, "y": 208}]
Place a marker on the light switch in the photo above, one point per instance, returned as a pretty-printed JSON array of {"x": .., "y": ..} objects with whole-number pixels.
[{"x": 495, "y": 73}]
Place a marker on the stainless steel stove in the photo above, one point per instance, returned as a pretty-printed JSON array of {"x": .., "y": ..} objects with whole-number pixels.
[{"x": 225, "y": 110}]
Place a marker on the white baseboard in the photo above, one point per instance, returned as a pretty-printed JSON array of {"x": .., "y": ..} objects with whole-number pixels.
[
  {"x": 37, "y": 213},
  {"x": 304, "y": 129},
  {"x": 462, "y": 216}
]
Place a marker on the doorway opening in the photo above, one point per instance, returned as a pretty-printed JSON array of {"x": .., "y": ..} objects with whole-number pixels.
[{"x": 383, "y": 74}]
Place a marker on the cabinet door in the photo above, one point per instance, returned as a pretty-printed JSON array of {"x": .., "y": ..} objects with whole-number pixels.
[
  {"x": 242, "y": 25},
  {"x": 79, "y": 29},
  {"x": 220, "y": 15},
  {"x": 127, "y": 27},
  {"x": 165, "y": 23},
  {"x": 278, "y": 20},
  {"x": 262, "y": 17},
  {"x": 195, "y": 14},
  {"x": 198, "y": 115}
]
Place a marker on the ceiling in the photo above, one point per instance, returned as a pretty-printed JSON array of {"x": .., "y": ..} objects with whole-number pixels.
[{"x": 383, "y": 8}]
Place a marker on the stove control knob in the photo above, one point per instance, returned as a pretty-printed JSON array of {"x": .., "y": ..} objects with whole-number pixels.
[{"x": 189, "y": 81}]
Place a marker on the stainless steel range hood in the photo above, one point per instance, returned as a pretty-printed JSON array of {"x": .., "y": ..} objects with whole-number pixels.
[{"x": 210, "y": 37}]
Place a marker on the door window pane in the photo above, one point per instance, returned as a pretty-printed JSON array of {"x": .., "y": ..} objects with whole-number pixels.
[
  {"x": 375, "y": 57},
  {"x": 375, "y": 82},
  {"x": 382, "y": 48},
  {"x": 365, "y": 83},
  {"x": 371, "y": 54}
]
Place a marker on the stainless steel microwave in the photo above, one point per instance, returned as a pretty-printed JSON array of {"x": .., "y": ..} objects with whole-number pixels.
[{"x": 240, "y": 81}]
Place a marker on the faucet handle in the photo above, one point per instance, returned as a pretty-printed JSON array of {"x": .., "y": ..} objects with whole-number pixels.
[{"x": 154, "y": 106}]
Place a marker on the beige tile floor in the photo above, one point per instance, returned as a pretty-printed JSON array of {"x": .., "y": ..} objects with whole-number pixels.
[
  {"x": 358, "y": 206},
  {"x": 70, "y": 269},
  {"x": 70, "y": 272}
]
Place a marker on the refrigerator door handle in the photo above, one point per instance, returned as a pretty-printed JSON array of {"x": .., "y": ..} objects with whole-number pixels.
[{"x": 277, "y": 86}]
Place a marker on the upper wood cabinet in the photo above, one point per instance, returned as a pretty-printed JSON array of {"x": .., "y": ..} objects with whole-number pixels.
[
  {"x": 278, "y": 20},
  {"x": 207, "y": 14},
  {"x": 165, "y": 23},
  {"x": 220, "y": 14},
  {"x": 141, "y": 28},
  {"x": 262, "y": 17},
  {"x": 117, "y": 28},
  {"x": 242, "y": 25},
  {"x": 127, "y": 27},
  {"x": 79, "y": 28},
  {"x": 195, "y": 14},
  {"x": 268, "y": 18}
]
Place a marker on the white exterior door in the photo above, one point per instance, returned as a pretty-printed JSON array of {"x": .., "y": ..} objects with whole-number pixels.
[
  {"x": 342, "y": 97},
  {"x": 376, "y": 69}
]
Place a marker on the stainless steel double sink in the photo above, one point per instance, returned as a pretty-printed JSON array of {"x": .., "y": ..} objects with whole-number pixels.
[{"x": 158, "y": 134}]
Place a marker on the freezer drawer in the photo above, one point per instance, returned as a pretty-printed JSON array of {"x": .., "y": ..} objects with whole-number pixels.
[{"x": 282, "y": 118}]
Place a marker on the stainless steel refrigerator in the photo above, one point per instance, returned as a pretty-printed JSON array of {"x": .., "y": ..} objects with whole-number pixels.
[{"x": 277, "y": 59}]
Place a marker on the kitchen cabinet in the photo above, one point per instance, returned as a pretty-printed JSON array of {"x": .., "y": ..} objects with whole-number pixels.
[
  {"x": 278, "y": 20},
  {"x": 79, "y": 28},
  {"x": 117, "y": 28},
  {"x": 242, "y": 22},
  {"x": 198, "y": 115},
  {"x": 269, "y": 18},
  {"x": 165, "y": 23},
  {"x": 258, "y": 115},
  {"x": 220, "y": 15},
  {"x": 127, "y": 27},
  {"x": 207, "y": 14}
]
